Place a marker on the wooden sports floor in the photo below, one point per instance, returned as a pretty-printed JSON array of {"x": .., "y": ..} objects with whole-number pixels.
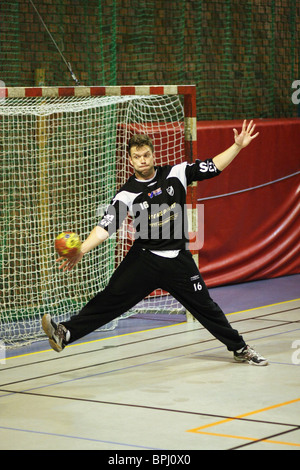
[{"x": 163, "y": 384}]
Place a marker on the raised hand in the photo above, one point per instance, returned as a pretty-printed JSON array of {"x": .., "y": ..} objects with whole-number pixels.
[{"x": 246, "y": 136}]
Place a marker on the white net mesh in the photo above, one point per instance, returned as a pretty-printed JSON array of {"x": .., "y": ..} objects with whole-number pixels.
[{"x": 62, "y": 161}]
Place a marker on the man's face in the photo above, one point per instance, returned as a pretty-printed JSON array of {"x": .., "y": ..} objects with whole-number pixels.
[{"x": 141, "y": 158}]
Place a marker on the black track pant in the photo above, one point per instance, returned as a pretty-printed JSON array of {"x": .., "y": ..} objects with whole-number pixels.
[{"x": 139, "y": 274}]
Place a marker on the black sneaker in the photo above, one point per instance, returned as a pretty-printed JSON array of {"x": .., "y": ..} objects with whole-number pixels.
[
  {"x": 55, "y": 332},
  {"x": 249, "y": 355}
]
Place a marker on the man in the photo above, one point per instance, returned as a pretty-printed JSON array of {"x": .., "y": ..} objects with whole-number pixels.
[{"x": 159, "y": 257}]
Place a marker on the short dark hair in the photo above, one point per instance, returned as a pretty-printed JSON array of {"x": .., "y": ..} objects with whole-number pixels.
[{"x": 139, "y": 140}]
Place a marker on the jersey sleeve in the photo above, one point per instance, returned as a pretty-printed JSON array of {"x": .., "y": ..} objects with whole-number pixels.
[
  {"x": 114, "y": 216},
  {"x": 201, "y": 170}
]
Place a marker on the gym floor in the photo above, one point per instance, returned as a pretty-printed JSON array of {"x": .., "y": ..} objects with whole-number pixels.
[{"x": 159, "y": 383}]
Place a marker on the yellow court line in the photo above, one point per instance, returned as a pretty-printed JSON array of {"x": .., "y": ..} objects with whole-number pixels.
[
  {"x": 252, "y": 439},
  {"x": 143, "y": 331},
  {"x": 263, "y": 306},
  {"x": 199, "y": 430},
  {"x": 94, "y": 341}
]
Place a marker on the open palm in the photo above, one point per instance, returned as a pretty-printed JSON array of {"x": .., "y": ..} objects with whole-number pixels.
[{"x": 246, "y": 136}]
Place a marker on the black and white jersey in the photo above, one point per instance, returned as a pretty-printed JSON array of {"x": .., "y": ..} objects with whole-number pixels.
[{"x": 158, "y": 206}]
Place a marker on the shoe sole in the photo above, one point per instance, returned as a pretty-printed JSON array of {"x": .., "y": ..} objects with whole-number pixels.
[
  {"x": 241, "y": 361},
  {"x": 49, "y": 330},
  {"x": 261, "y": 364},
  {"x": 47, "y": 326},
  {"x": 55, "y": 346}
]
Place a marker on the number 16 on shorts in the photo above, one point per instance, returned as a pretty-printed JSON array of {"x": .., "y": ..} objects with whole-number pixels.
[{"x": 197, "y": 286}]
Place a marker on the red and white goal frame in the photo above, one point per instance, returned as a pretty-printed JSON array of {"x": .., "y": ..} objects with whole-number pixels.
[{"x": 187, "y": 92}]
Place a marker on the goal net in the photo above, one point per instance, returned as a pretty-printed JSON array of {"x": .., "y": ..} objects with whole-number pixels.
[{"x": 63, "y": 157}]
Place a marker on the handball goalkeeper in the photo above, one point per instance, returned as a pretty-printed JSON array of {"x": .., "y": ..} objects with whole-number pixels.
[{"x": 155, "y": 196}]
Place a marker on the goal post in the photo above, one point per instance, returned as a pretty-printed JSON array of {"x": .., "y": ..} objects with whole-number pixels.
[{"x": 63, "y": 157}]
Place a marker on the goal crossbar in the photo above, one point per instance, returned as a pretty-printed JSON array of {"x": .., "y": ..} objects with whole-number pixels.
[{"x": 187, "y": 91}]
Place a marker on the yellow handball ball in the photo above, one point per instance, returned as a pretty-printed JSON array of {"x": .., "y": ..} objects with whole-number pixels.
[{"x": 67, "y": 244}]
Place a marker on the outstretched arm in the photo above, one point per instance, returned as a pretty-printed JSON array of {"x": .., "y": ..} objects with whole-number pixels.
[
  {"x": 97, "y": 236},
  {"x": 240, "y": 141}
]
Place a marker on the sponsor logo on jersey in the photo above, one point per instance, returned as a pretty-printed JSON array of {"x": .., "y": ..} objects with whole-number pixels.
[
  {"x": 207, "y": 166},
  {"x": 156, "y": 192},
  {"x": 106, "y": 220},
  {"x": 170, "y": 191}
]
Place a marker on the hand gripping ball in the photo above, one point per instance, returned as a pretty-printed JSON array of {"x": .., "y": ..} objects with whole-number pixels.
[{"x": 67, "y": 244}]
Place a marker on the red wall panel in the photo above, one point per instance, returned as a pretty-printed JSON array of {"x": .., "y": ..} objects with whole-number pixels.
[{"x": 251, "y": 220}]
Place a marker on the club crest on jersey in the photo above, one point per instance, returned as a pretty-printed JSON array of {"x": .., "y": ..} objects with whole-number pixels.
[
  {"x": 156, "y": 192},
  {"x": 170, "y": 190}
]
